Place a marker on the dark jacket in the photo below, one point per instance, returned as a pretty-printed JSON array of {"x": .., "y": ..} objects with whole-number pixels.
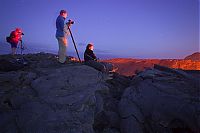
[
  {"x": 89, "y": 55},
  {"x": 60, "y": 24}
]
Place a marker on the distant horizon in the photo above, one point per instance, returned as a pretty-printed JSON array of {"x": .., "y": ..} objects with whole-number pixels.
[{"x": 5, "y": 49}]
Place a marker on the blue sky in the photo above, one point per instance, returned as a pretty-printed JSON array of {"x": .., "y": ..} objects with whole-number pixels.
[{"x": 125, "y": 28}]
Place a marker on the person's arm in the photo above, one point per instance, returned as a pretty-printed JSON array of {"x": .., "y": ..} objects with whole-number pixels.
[
  {"x": 66, "y": 30},
  {"x": 62, "y": 24},
  {"x": 93, "y": 56},
  {"x": 88, "y": 56}
]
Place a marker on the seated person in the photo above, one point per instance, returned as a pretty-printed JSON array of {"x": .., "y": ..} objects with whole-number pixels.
[{"x": 91, "y": 60}]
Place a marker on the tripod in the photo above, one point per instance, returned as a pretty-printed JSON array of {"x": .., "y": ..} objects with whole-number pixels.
[
  {"x": 21, "y": 47},
  {"x": 74, "y": 43},
  {"x": 21, "y": 60}
]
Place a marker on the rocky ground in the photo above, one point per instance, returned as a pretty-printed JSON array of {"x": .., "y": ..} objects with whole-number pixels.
[
  {"x": 44, "y": 96},
  {"x": 131, "y": 66},
  {"x": 195, "y": 56}
]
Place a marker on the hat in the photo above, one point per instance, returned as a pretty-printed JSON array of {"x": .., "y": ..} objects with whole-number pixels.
[{"x": 18, "y": 30}]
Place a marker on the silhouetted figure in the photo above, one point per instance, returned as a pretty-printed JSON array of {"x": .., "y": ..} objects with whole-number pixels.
[
  {"x": 61, "y": 34},
  {"x": 89, "y": 54},
  {"x": 15, "y": 37},
  {"x": 91, "y": 60}
]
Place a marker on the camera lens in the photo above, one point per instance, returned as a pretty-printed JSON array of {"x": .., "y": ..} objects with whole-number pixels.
[{"x": 70, "y": 21}]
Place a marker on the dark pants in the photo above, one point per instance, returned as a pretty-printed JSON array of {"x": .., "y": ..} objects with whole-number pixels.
[
  {"x": 100, "y": 66},
  {"x": 13, "y": 45}
]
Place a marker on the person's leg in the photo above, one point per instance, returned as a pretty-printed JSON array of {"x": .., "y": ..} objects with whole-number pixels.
[
  {"x": 97, "y": 65},
  {"x": 109, "y": 67},
  {"x": 100, "y": 67},
  {"x": 62, "y": 42},
  {"x": 13, "y": 48},
  {"x": 13, "y": 51}
]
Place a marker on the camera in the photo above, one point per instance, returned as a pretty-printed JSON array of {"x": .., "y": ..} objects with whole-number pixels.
[{"x": 70, "y": 21}]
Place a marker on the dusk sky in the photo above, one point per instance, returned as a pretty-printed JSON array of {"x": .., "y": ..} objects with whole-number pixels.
[{"x": 125, "y": 28}]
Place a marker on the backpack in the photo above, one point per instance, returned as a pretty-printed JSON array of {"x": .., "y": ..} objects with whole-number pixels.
[{"x": 8, "y": 39}]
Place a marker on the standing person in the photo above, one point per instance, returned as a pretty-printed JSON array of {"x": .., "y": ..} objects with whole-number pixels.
[
  {"x": 15, "y": 37},
  {"x": 61, "y": 34},
  {"x": 91, "y": 60}
]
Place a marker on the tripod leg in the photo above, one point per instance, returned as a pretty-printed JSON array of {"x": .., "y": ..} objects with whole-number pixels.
[{"x": 74, "y": 44}]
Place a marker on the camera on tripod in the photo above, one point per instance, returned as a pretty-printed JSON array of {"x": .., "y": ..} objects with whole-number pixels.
[{"x": 70, "y": 22}]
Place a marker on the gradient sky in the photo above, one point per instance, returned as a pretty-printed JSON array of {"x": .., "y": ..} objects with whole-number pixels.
[{"x": 125, "y": 28}]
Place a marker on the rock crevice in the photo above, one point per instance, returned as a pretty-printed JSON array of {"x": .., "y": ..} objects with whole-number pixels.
[{"x": 48, "y": 97}]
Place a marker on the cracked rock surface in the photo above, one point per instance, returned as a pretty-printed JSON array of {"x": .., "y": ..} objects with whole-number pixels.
[
  {"x": 161, "y": 100},
  {"x": 47, "y": 97}
]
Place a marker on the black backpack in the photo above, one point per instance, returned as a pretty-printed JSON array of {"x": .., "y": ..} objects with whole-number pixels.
[{"x": 8, "y": 39}]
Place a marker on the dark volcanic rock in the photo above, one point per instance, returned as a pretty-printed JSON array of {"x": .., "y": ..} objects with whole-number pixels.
[
  {"x": 107, "y": 119},
  {"x": 161, "y": 100},
  {"x": 48, "y": 97},
  {"x": 10, "y": 65}
]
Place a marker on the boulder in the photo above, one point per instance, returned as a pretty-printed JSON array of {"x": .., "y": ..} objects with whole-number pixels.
[
  {"x": 161, "y": 100},
  {"x": 107, "y": 119},
  {"x": 57, "y": 100},
  {"x": 48, "y": 97}
]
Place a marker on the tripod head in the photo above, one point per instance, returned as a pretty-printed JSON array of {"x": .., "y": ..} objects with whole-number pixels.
[{"x": 70, "y": 22}]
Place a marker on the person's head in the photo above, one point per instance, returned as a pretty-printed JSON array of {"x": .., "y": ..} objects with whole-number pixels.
[
  {"x": 63, "y": 13},
  {"x": 19, "y": 31},
  {"x": 90, "y": 46}
]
